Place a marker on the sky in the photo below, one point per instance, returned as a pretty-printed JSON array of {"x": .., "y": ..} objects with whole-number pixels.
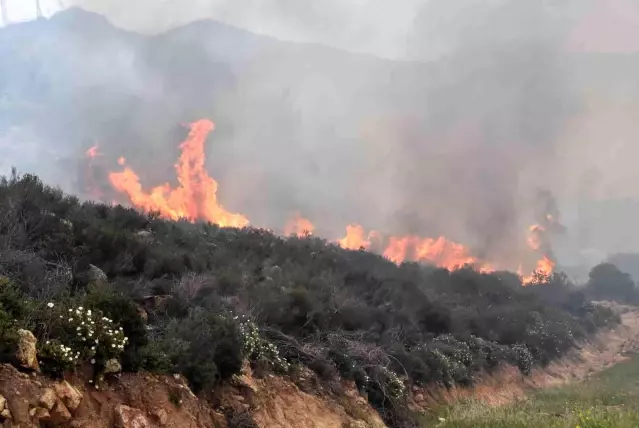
[{"x": 377, "y": 27}]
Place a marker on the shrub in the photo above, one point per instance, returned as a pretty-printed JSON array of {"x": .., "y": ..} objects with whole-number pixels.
[
  {"x": 79, "y": 335},
  {"x": 256, "y": 348},
  {"x": 204, "y": 347}
]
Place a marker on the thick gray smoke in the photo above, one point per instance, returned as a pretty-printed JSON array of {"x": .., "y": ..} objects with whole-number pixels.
[{"x": 482, "y": 103}]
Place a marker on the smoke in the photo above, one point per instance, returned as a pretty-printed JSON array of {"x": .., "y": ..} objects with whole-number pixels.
[{"x": 487, "y": 105}]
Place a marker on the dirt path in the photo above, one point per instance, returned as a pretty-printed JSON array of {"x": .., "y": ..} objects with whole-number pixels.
[{"x": 603, "y": 351}]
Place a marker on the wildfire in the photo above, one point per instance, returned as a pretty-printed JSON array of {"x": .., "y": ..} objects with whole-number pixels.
[
  {"x": 440, "y": 251},
  {"x": 545, "y": 267},
  {"x": 299, "y": 226},
  {"x": 355, "y": 238},
  {"x": 196, "y": 196}
]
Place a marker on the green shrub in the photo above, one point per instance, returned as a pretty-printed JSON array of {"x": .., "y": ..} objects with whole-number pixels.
[
  {"x": 78, "y": 335},
  {"x": 258, "y": 349}
]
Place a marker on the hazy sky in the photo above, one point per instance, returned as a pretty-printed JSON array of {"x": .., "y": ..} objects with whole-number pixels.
[{"x": 378, "y": 27}]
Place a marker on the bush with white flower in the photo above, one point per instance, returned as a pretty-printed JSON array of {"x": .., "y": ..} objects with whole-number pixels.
[
  {"x": 79, "y": 335},
  {"x": 258, "y": 349}
]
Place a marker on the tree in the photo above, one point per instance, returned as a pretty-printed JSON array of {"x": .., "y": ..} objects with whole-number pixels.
[{"x": 608, "y": 282}]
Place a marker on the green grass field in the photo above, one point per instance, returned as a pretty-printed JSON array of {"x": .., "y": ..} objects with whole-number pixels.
[{"x": 609, "y": 399}]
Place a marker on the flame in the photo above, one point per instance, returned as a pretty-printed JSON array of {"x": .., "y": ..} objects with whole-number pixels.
[
  {"x": 440, "y": 251},
  {"x": 545, "y": 268},
  {"x": 196, "y": 196},
  {"x": 537, "y": 241},
  {"x": 299, "y": 226},
  {"x": 535, "y": 236},
  {"x": 356, "y": 238},
  {"x": 92, "y": 152}
]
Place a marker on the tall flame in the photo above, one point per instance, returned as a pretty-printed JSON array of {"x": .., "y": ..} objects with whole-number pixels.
[
  {"x": 196, "y": 196},
  {"x": 299, "y": 226}
]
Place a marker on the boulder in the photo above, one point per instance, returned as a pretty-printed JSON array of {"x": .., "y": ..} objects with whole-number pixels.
[
  {"x": 160, "y": 416},
  {"x": 27, "y": 354},
  {"x": 59, "y": 415},
  {"x": 48, "y": 399},
  {"x": 5, "y": 414},
  {"x": 112, "y": 366},
  {"x": 128, "y": 417},
  {"x": 41, "y": 414},
  {"x": 70, "y": 396},
  {"x": 97, "y": 275},
  {"x": 3, "y": 403}
]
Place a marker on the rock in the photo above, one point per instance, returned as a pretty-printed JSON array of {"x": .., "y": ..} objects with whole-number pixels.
[
  {"x": 97, "y": 275},
  {"x": 112, "y": 366},
  {"x": 41, "y": 414},
  {"x": 160, "y": 416},
  {"x": 145, "y": 235},
  {"x": 219, "y": 420},
  {"x": 128, "y": 417},
  {"x": 3, "y": 403},
  {"x": 70, "y": 396},
  {"x": 27, "y": 355},
  {"x": 142, "y": 313},
  {"x": 5, "y": 414},
  {"x": 59, "y": 415},
  {"x": 48, "y": 399},
  {"x": 157, "y": 303}
]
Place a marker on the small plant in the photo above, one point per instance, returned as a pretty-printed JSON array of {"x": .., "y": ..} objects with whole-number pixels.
[
  {"x": 394, "y": 385},
  {"x": 256, "y": 348}
]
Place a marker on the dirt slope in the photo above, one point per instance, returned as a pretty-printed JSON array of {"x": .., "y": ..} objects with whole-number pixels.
[{"x": 142, "y": 400}]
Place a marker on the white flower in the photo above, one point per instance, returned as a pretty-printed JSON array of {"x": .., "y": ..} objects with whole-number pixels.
[
  {"x": 50, "y": 305},
  {"x": 92, "y": 360}
]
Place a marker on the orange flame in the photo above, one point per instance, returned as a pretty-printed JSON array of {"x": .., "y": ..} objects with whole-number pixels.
[
  {"x": 92, "y": 152},
  {"x": 545, "y": 268},
  {"x": 195, "y": 198},
  {"x": 299, "y": 226},
  {"x": 440, "y": 251},
  {"x": 355, "y": 238}
]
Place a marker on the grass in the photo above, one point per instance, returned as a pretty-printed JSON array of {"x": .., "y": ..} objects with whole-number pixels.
[{"x": 609, "y": 399}]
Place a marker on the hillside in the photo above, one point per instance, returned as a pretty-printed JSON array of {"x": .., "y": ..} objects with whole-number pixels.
[{"x": 198, "y": 300}]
